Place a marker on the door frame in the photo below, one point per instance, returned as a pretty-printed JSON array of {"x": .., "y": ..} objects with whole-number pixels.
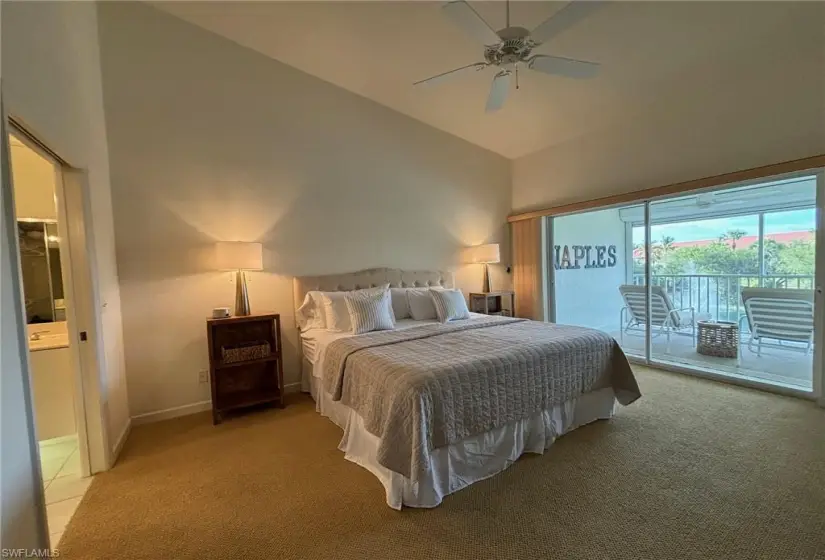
[
  {"x": 36, "y": 535},
  {"x": 819, "y": 287},
  {"x": 71, "y": 197}
]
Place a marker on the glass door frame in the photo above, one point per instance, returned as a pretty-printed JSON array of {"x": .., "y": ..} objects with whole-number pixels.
[
  {"x": 818, "y": 366},
  {"x": 819, "y": 297}
]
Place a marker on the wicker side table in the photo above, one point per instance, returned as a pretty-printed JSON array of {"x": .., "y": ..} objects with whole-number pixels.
[{"x": 718, "y": 338}]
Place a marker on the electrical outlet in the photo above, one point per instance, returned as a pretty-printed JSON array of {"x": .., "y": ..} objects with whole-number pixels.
[{"x": 203, "y": 376}]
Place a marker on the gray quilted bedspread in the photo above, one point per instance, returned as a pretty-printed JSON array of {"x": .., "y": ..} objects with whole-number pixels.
[{"x": 422, "y": 388}]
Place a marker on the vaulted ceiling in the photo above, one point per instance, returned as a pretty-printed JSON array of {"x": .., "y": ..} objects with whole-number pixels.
[{"x": 378, "y": 49}]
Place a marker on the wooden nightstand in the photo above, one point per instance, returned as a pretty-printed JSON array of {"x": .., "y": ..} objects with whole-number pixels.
[
  {"x": 493, "y": 303},
  {"x": 245, "y": 362}
]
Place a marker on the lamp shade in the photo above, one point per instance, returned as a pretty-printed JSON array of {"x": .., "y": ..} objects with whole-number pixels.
[
  {"x": 238, "y": 255},
  {"x": 485, "y": 253}
]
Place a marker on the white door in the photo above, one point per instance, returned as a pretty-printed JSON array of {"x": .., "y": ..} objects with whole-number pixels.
[{"x": 71, "y": 189}]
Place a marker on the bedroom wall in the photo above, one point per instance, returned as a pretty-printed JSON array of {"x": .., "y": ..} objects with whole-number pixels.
[
  {"x": 210, "y": 141},
  {"x": 51, "y": 82},
  {"x": 765, "y": 105}
]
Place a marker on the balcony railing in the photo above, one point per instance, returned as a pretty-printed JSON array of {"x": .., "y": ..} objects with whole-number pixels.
[{"x": 719, "y": 295}]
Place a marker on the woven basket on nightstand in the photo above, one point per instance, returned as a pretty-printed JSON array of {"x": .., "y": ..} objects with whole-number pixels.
[{"x": 718, "y": 338}]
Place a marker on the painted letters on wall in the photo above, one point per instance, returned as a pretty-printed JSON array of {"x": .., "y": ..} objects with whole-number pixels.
[{"x": 584, "y": 256}]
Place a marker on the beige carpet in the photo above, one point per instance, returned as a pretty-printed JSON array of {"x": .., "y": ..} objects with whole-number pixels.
[{"x": 694, "y": 469}]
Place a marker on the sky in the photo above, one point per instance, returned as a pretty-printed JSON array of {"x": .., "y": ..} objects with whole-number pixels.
[{"x": 775, "y": 222}]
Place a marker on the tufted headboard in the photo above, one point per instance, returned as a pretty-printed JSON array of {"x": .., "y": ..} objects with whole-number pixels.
[{"x": 369, "y": 278}]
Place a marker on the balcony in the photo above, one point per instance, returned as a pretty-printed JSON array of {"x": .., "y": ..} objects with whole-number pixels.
[{"x": 718, "y": 297}]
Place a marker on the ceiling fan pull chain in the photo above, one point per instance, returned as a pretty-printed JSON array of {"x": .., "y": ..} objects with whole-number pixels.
[{"x": 517, "y": 76}]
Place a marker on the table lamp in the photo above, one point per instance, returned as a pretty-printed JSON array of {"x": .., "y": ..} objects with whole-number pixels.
[
  {"x": 485, "y": 254},
  {"x": 239, "y": 256}
]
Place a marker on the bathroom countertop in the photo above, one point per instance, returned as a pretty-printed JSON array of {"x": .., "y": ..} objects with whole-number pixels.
[
  {"x": 51, "y": 336},
  {"x": 48, "y": 343}
]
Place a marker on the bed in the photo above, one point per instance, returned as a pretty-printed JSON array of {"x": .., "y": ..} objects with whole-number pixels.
[{"x": 430, "y": 408}]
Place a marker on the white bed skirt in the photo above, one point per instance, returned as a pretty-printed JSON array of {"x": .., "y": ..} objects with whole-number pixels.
[{"x": 475, "y": 458}]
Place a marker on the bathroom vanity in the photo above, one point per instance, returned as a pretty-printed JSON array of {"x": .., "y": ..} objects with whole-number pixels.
[{"x": 52, "y": 378}]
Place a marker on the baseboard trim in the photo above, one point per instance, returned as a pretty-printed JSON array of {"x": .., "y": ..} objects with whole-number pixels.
[
  {"x": 194, "y": 408},
  {"x": 121, "y": 441},
  {"x": 175, "y": 412}
]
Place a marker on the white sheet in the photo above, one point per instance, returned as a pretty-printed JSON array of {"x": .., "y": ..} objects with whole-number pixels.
[{"x": 459, "y": 465}]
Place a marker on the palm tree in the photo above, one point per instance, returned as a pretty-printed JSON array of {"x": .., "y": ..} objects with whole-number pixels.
[{"x": 733, "y": 235}]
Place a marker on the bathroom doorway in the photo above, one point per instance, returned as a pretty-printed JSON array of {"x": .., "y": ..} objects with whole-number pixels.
[{"x": 52, "y": 331}]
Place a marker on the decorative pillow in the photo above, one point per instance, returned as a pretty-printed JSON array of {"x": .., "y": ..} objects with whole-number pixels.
[
  {"x": 370, "y": 311},
  {"x": 400, "y": 305},
  {"x": 336, "y": 312},
  {"x": 421, "y": 303},
  {"x": 450, "y": 305},
  {"x": 311, "y": 313}
]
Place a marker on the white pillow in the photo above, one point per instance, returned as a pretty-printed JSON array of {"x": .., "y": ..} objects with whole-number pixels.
[
  {"x": 370, "y": 311},
  {"x": 450, "y": 305},
  {"x": 311, "y": 313},
  {"x": 400, "y": 305},
  {"x": 336, "y": 312},
  {"x": 421, "y": 303}
]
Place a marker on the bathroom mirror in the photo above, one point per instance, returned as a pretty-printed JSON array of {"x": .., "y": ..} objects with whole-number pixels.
[{"x": 40, "y": 267}]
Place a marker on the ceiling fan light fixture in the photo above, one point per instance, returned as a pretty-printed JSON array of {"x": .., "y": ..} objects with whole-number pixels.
[{"x": 511, "y": 46}]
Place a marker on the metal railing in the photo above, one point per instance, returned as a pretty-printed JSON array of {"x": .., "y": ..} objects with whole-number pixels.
[{"x": 719, "y": 295}]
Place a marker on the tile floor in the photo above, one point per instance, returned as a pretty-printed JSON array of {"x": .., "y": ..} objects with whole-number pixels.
[{"x": 62, "y": 482}]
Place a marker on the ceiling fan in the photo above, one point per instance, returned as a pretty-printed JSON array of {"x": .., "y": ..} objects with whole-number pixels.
[{"x": 512, "y": 47}]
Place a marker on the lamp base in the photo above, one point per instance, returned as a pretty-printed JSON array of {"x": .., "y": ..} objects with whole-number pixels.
[
  {"x": 486, "y": 287},
  {"x": 241, "y": 295}
]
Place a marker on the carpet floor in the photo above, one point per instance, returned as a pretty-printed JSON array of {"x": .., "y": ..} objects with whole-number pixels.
[{"x": 695, "y": 469}]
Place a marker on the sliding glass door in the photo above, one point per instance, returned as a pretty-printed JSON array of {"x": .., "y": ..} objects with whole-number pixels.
[
  {"x": 721, "y": 282},
  {"x": 736, "y": 266},
  {"x": 598, "y": 268}
]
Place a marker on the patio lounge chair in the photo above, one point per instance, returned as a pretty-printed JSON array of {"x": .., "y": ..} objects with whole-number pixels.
[
  {"x": 663, "y": 314},
  {"x": 779, "y": 314}
]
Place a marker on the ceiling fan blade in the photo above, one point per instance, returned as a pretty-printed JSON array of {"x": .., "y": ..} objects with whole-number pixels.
[
  {"x": 438, "y": 78},
  {"x": 465, "y": 17},
  {"x": 568, "y": 67},
  {"x": 568, "y": 16},
  {"x": 498, "y": 91}
]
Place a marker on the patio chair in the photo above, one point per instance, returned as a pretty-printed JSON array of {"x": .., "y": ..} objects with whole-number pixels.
[
  {"x": 663, "y": 314},
  {"x": 779, "y": 314}
]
